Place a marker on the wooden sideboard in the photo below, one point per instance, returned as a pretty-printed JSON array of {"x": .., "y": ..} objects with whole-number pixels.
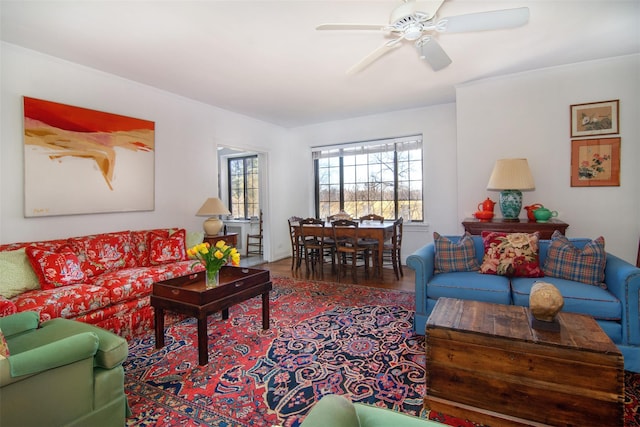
[
  {"x": 546, "y": 229},
  {"x": 230, "y": 238}
]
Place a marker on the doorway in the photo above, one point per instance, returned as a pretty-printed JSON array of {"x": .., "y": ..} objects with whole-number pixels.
[{"x": 242, "y": 187}]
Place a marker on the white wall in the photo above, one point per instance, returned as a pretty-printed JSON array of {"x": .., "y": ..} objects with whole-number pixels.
[
  {"x": 523, "y": 115},
  {"x": 186, "y": 137},
  {"x": 527, "y": 115},
  {"x": 437, "y": 125}
]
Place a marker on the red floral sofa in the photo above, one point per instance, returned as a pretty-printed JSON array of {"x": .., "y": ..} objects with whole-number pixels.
[{"x": 102, "y": 279}]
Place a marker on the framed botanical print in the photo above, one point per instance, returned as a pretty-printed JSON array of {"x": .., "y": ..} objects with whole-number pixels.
[
  {"x": 595, "y": 118},
  {"x": 595, "y": 162}
]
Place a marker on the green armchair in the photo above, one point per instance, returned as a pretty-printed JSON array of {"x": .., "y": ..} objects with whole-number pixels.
[
  {"x": 337, "y": 411},
  {"x": 61, "y": 372}
]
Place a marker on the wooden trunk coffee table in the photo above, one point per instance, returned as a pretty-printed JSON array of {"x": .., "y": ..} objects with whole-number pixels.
[
  {"x": 486, "y": 364},
  {"x": 189, "y": 295}
]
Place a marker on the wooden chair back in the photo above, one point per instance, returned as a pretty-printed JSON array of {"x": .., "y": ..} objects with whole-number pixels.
[{"x": 371, "y": 217}]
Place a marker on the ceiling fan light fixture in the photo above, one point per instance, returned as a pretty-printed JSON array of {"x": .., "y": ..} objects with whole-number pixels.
[{"x": 413, "y": 32}]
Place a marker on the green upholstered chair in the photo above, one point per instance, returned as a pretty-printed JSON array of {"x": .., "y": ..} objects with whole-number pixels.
[
  {"x": 337, "y": 411},
  {"x": 61, "y": 372}
]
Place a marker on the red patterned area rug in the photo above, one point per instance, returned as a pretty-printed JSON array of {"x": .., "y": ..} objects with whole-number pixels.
[{"x": 324, "y": 338}]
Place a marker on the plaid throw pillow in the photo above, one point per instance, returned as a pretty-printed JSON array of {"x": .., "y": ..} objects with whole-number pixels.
[
  {"x": 451, "y": 257},
  {"x": 565, "y": 261}
]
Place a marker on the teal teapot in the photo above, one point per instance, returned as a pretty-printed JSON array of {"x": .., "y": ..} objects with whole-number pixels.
[{"x": 544, "y": 214}]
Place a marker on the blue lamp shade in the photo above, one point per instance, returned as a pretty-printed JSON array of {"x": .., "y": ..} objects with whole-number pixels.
[{"x": 511, "y": 177}]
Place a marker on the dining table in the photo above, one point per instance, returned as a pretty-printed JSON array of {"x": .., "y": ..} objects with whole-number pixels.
[{"x": 375, "y": 230}]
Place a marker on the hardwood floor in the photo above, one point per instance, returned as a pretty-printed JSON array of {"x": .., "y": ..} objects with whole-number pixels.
[{"x": 388, "y": 280}]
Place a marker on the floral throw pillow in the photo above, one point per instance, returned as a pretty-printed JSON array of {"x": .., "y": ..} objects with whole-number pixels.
[
  {"x": 451, "y": 256},
  {"x": 104, "y": 252},
  {"x": 163, "y": 250},
  {"x": 566, "y": 261},
  {"x": 511, "y": 254},
  {"x": 4, "y": 349},
  {"x": 55, "y": 269}
]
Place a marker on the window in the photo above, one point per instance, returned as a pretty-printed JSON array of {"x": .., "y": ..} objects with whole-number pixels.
[
  {"x": 381, "y": 177},
  {"x": 244, "y": 194}
]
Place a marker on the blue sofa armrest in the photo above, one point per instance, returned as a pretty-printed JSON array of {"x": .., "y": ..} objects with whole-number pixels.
[
  {"x": 623, "y": 280},
  {"x": 422, "y": 262}
]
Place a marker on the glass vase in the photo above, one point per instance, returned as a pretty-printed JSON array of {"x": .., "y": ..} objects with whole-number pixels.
[{"x": 211, "y": 278}]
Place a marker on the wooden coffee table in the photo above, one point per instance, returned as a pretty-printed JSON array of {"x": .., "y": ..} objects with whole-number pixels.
[
  {"x": 189, "y": 295},
  {"x": 486, "y": 364}
]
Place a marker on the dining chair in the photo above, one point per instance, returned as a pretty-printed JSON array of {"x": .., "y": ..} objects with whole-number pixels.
[
  {"x": 297, "y": 246},
  {"x": 372, "y": 243},
  {"x": 372, "y": 217},
  {"x": 349, "y": 246},
  {"x": 316, "y": 245},
  {"x": 254, "y": 241},
  {"x": 393, "y": 249}
]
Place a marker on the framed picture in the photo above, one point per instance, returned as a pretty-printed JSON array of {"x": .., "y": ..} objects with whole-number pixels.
[
  {"x": 81, "y": 161},
  {"x": 595, "y": 118},
  {"x": 595, "y": 162}
]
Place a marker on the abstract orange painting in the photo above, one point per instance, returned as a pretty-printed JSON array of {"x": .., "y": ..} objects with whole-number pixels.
[{"x": 85, "y": 161}]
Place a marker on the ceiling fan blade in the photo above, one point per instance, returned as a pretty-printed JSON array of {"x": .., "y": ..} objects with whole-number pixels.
[
  {"x": 425, "y": 10},
  {"x": 431, "y": 51},
  {"x": 483, "y": 21},
  {"x": 429, "y": 7},
  {"x": 373, "y": 56},
  {"x": 350, "y": 27}
]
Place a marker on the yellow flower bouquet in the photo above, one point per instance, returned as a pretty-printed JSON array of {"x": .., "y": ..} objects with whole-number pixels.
[{"x": 213, "y": 258}]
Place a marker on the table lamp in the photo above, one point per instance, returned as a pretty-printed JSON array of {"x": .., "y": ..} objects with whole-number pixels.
[
  {"x": 212, "y": 206},
  {"x": 511, "y": 177}
]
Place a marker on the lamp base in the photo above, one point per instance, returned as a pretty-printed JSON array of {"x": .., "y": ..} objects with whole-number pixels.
[
  {"x": 510, "y": 204},
  {"x": 212, "y": 226}
]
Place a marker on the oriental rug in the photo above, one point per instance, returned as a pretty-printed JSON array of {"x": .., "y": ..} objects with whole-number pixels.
[{"x": 324, "y": 338}]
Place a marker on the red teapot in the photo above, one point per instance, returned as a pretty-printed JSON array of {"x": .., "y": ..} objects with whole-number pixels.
[
  {"x": 531, "y": 209},
  {"x": 487, "y": 205}
]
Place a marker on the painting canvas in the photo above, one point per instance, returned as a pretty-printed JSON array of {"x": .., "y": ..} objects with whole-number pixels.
[
  {"x": 80, "y": 161},
  {"x": 595, "y": 162},
  {"x": 595, "y": 118}
]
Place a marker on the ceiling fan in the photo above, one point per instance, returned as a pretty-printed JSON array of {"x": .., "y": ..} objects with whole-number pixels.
[{"x": 417, "y": 22}]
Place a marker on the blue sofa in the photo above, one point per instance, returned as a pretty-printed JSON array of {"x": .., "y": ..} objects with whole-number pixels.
[{"x": 615, "y": 309}]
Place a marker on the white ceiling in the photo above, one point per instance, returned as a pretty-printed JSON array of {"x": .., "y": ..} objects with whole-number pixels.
[{"x": 265, "y": 59}]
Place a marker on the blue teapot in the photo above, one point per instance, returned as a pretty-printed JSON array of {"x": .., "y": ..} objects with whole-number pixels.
[{"x": 544, "y": 214}]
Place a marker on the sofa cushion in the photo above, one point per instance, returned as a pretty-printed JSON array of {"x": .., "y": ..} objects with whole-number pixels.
[
  {"x": 16, "y": 273},
  {"x": 454, "y": 256},
  {"x": 50, "y": 245},
  {"x": 131, "y": 283},
  {"x": 470, "y": 285},
  {"x": 578, "y": 297},
  {"x": 99, "y": 253},
  {"x": 166, "y": 249},
  {"x": 112, "y": 349},
  {"x": 566, "y": 261},
  {"x": 511, "y": 254},
  {"x": 68, "y": 301},
  {"x": 140, "y": 242},
  {"x": 55, "y": 269}
]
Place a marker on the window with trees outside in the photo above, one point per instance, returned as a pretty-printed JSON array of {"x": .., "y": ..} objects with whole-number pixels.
[
  {"x": 244, "y": 194},
  {"x": 382, "y": 177}
]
